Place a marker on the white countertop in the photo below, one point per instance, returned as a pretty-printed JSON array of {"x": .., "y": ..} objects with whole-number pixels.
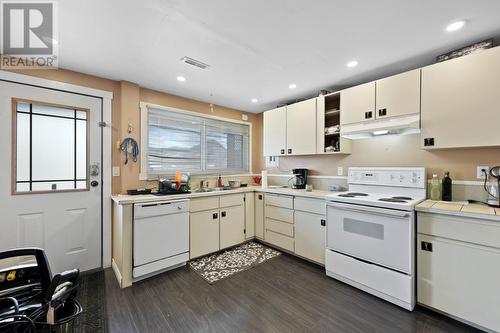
[
  {"x": 461, "y": 209},
  {"x": 124, "y": 199}
]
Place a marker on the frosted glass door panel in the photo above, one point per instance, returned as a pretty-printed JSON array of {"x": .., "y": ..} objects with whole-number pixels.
[
  {"x": 23, "y": 147},
  {"x": 53, "y": 148}
]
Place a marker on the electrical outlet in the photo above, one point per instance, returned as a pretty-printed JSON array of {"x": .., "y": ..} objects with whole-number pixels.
[
  {"x": 340, "y": 171},
  {"x": 479, "y": 173}
]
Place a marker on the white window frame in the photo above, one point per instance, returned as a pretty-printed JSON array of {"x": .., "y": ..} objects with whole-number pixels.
[{"x": 144, "y": 106}]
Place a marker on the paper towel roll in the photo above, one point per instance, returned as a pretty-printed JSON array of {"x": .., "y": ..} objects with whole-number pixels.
[{"x": 264, "y": 179}]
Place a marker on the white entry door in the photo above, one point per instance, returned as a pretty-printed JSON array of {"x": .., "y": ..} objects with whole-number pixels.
[{"x": 50, "y": 183}]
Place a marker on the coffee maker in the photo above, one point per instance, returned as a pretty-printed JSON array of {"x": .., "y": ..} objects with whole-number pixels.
[{"x": 300, "y": 178}]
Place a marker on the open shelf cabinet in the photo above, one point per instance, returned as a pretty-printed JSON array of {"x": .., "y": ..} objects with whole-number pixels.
[{"x": 329, "y": 140}]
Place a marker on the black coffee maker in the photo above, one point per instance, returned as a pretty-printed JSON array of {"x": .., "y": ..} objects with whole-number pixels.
[{"x": 300, "y": 178}]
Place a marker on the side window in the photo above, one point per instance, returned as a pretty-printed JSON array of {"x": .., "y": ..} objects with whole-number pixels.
[{"x": 50, "y": 147}]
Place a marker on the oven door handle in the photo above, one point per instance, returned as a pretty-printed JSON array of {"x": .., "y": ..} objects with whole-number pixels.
[{"x": 372, "y": 210}]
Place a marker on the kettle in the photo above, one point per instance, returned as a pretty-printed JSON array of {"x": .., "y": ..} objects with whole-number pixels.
[{"x": 492, "y": 186}]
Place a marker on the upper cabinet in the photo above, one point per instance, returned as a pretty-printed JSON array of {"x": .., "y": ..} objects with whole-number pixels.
[
  {"x": 275, "y": 132},
  {"x": 358, "y": 103},
  {"x": 301, "y": 128},
  {"x": 398, "y": 95},
  {"x": 291, "y": 130},
  {"x": 460, "y": 101},
  {"x": 328, "y": 116},
  {"x": 393, "y": 96}
]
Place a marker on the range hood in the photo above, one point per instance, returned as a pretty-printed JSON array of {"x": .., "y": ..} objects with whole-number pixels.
[{"x": 407, "y": 124}]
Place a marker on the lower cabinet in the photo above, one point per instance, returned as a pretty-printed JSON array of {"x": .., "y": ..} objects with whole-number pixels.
[
  {"x": 204, "y": 233},
  {"x": 458, "y": 268},
  {"x": 232, "y": 226},
  {"x": 278, "y": 221},
  {"x": 259, "y": 215},
  {"x": 310, "y": 236}
]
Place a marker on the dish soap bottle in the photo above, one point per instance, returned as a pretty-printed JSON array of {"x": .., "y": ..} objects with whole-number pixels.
[
  {"x": 435, "y": 188},
  {"x": 219, "y": 182},
  {"x": 447, "y": 186}
]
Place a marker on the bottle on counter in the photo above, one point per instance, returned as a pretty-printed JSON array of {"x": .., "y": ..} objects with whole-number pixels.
[
  {"x": 219, "y": 182},
  {"x": 435, "y": 188},
  {"x": 447, "y": 182}
]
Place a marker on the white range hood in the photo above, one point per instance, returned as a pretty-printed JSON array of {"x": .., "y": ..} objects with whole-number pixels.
[{"x": 407, "y": 124}]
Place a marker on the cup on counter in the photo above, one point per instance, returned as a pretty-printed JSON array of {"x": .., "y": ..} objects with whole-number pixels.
[{"x": 309, "y": 187}]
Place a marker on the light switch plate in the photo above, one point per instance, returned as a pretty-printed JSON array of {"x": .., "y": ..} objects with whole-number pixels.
[
  {"x": 480, "y": 173},
  {"x": 340, "y": 171},
  {"x": 116, "y": 171},
  {"x": 244, "y": 117}
]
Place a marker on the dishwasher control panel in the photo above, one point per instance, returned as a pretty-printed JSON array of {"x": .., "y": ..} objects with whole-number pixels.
[{"x": 160, "y": 208}]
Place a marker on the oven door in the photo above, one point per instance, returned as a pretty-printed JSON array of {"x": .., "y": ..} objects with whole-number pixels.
[{"x": 376, "y": 235}]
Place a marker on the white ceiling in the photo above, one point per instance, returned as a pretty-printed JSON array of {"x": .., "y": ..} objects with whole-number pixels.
[{"x": 257, "y": 48}]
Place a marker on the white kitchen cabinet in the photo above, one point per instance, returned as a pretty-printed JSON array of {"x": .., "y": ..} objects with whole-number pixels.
[
  {"x": 232, "y": 226},
  {"x": 357, "y": 104},
  {"x": 259, "y": 215},
  {"x": 275, "y": 132},
  {"x": 457, "y": 267},
  {"x": 310, "y": 222},
  {"x": 301, "y": 128},
  {"x": 278, "y": 222},
  {"x": 203, "y": 233},
  {"x": 460, "y": 102},
  {"x": 249, "y": 215},
  {"x": 328, "y": 116},
  {"x": 398, "y": 95}
]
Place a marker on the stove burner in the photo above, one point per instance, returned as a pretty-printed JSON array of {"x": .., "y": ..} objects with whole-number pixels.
[
  {"x": 403, "y": 198},
  {"x": 392, "y": 200},
  {"x": 353, "y": 195}
]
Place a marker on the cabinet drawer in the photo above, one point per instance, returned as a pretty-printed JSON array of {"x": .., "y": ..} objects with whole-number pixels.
[
  {"x": 310, "y": 205},
  {"x": 279, "y": 227},
  {"x": 280, "y": 214},
  {"x": 465, "y": 229},
  {"x": 231, "y": 200},
  {"x": 279, "y": 240},
  {"x": 283, "y": 201},
  {"x": 200, "y": 204}
]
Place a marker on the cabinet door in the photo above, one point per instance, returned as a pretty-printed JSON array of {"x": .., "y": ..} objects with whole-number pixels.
[
  {"x": 301, "y": 128},
  {"x": 232, "y": 226},
  {"x": 310, "y": 236},
  {"x": 204, "y": 233},
  {"x": 460, "y": 279},
  {"x": 460, "y": 101},
  {"x": 249, "y": 215},
  {"x": 259, "y": 215},
  {"x": 398, "y": 95},
  {"x": 275, "y": 132},
  {"x": 357, "y": 104}
]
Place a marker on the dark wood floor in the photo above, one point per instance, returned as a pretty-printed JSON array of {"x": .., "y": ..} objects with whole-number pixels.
[{"x": 285, "y": 294}]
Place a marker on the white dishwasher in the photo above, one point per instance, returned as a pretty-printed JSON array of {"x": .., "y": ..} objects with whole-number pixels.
[{"x": 160, "y": 237}]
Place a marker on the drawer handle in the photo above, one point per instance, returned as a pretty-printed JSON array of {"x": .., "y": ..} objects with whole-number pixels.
[
  {"x": 260, "y": 196},
  {"x": 323, "y": 222},
  {"x": 282, "y": 151},
  {"x": 426, "y": 246},
  {"x": 215, "y": 216}
]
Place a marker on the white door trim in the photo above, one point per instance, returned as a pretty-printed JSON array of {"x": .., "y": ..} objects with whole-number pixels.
[{"x": 106, "y": 97}]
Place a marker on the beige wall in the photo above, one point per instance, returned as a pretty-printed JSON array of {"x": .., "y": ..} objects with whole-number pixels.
[
  {"x": 126, "y": 99},
  {"x": 397, "y": 151}
]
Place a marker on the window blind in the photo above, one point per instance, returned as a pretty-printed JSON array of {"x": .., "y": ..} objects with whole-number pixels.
[{"x": 196, "y": 144}]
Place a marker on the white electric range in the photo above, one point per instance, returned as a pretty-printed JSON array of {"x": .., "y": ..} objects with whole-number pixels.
[{"x": 370, "y": 233}]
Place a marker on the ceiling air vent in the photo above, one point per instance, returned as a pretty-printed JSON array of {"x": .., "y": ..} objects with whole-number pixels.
[{"x": 194, "y": 62}]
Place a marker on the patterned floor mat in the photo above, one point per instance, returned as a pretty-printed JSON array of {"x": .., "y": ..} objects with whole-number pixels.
[{"x": 216, "y": 267}]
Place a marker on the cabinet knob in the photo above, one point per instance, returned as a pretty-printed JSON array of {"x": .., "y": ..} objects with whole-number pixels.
[
  {"x": 426, "y": 246},
  {"x": 323, "y": 222},
  {"x": 223, "y": 214},
  {"x": 368, "y": 115},
  {"x": 282, "y": 151},
  {"x": 260, "y": 196},
  {"x": 428, "y": 142},
  {"x": 289, "y": 151},
  {"x": 215, "y": 216}
]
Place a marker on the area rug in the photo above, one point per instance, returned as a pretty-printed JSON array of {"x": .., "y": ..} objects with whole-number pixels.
[
  {"x": 216, "y": 267},
  {"x": 91, "y": 295}
]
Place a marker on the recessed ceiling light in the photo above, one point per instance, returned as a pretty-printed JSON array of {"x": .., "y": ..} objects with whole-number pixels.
[
  {"x": 181, "y": 78},
  {"x": 292, "y": 86},
  {"x": 455, "y": 26},
  {"x": 254, "y": 100},
  {"x": 352, "y": 63}
]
